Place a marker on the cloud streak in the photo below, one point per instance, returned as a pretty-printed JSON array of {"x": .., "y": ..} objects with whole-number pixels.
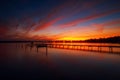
[
  {"x": 47, "y": 24},
  {"x": 88, "y": 18}
]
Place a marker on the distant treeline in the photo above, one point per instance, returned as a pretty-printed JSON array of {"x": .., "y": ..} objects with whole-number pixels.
[{"x": 115, "y": 39}]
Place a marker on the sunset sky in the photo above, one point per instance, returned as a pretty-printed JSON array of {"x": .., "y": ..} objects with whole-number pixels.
[{"x": 59, "y": 19}]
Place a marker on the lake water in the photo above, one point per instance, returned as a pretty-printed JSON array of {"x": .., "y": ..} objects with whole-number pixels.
[{"x": 18, "y": 62}]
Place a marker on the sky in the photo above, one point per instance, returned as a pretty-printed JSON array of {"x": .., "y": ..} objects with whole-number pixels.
[{"x": 59, "y": 19}]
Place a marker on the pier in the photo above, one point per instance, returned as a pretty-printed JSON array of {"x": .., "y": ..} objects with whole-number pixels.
[{"x": 98, "y": 48}]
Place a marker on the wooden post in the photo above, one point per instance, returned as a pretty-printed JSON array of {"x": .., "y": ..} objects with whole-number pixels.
[
  {"x": 91, "y": 48},
  {"x": 110, "y": 49},
  {"x": 46, "y": 50},
  {"x": 37, "y": 49},
  {"x": 99, "y": 48}
]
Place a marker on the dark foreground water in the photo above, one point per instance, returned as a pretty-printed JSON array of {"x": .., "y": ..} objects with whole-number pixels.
[{"x": 56, "y": 64}]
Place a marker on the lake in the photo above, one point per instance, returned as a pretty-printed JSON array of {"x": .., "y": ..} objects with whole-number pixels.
[{"x": 18, "y": 62}]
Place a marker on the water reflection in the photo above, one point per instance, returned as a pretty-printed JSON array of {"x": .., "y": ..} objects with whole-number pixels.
[{"x": 56, "y": 63}]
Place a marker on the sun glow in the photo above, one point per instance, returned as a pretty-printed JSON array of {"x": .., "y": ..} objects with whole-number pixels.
[{"x": 71, "y": 38}]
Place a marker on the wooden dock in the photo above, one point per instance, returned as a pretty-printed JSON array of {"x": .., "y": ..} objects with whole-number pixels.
[{"x": 79, "y": 47}]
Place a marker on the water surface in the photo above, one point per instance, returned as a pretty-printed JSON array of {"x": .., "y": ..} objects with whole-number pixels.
[{"x": 18, "y": 62}]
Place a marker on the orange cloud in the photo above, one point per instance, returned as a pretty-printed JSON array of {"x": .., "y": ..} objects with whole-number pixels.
[
  {"x": 113, "y": 22},
  {"x": 100, "y": 26}
]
